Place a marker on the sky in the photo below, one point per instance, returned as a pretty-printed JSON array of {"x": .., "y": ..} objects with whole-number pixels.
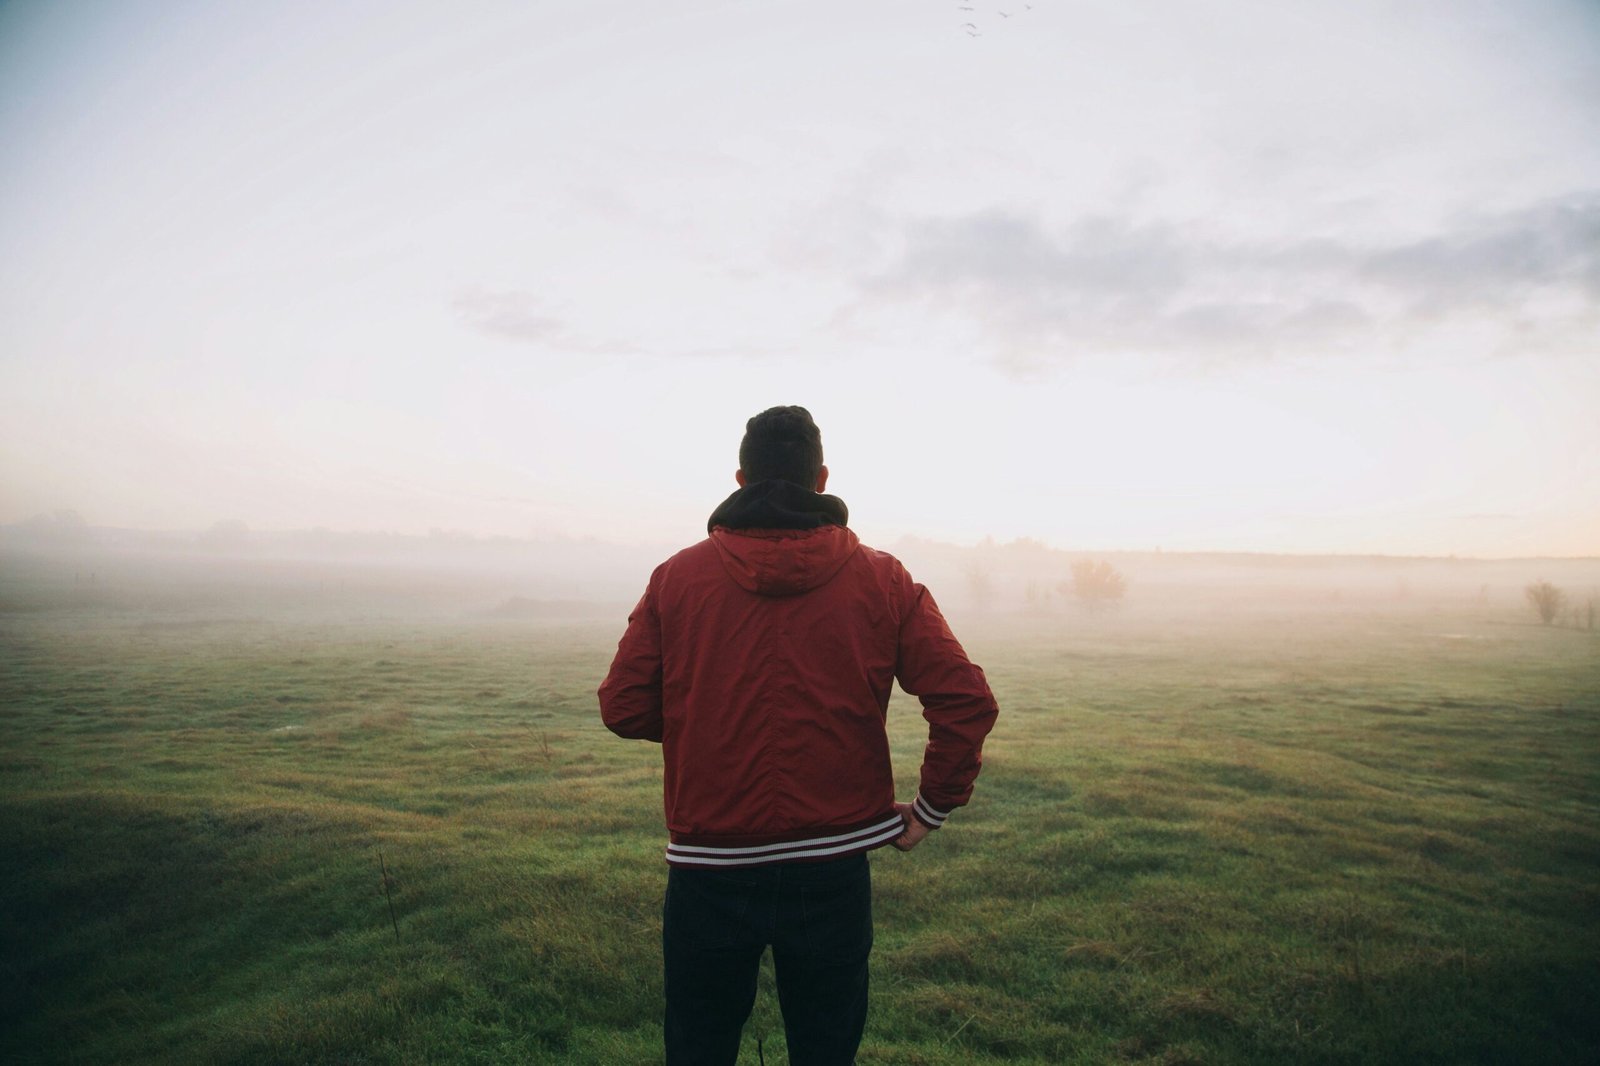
[{"x": 1236, "y": 275}]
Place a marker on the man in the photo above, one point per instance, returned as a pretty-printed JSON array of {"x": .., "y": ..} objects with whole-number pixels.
[{"x": 761, "y": 659}]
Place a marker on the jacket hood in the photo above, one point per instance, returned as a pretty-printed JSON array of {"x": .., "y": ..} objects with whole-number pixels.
[{"x": 778, "y": 539}]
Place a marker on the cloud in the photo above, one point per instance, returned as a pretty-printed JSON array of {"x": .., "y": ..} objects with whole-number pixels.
[
  {"x": 1496, "y": 259},
  {"x": 512, "y": 315},
  {"x": 1523, "y": 280},
  {"x": 519, "y": 316}
]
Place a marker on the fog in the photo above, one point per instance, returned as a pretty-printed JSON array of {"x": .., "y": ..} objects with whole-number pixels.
[{"x": 62, "y": 569}]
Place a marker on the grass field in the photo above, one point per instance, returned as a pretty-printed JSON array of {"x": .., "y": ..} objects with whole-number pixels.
[{"x": 1276, "y": 836}]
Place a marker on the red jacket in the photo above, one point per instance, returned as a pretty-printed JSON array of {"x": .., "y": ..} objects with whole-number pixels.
[{"x": 762, "y": 660}]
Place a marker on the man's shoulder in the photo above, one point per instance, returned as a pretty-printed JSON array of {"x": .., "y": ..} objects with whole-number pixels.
[
  {"x": 880, "y": 559},
  {"x": 695, "y": 555}
]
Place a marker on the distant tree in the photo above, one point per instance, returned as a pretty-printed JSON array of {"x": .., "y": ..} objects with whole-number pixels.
[
  {"x": 1545, "y": 599},
  {"x": 61, "y": 527},
  {"x": 1037, "y": 595},
  {"x": 230, "y": 533},
  {"x": 1096, "y": 584},
  {"x": 980, "y": 586}
]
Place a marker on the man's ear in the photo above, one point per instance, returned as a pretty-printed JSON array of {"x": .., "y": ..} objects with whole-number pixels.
[
  {"x": 822, "y": 479},
  {"x": 738, "y": 475}
]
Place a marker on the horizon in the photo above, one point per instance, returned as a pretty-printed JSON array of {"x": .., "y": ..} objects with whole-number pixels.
[
  {"x": 1282, "y": 279},
  {"x": 229, "y": 539}
]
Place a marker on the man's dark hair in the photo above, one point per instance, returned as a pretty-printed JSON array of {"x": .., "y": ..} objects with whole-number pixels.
[{"x": 782, "y": 442}]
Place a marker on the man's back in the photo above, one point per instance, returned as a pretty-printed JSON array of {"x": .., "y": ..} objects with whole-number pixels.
[{"x": 762, "y": 659}]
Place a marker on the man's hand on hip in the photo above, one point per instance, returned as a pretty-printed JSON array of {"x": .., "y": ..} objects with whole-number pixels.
[{"x": 914, "y": 831}]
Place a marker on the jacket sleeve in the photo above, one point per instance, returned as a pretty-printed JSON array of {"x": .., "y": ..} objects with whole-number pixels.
[
  {"x": 956, "y": 702},
  {"x": 630, "y": 696}
]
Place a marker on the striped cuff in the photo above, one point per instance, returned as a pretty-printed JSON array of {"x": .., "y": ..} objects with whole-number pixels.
[{"x": 927, "y": 815}]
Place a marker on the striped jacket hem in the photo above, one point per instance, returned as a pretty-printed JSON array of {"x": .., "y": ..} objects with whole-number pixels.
[{"x": 830, "y": 846}]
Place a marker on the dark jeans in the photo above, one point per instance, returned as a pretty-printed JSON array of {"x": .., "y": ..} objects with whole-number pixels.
[{"x": 818, "y": 919}]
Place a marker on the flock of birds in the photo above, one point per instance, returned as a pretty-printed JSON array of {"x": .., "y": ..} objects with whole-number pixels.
[{"x": 971, "y": 28}]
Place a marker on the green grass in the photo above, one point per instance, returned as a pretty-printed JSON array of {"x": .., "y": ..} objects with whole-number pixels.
[{"x": 1335, "y": 838}]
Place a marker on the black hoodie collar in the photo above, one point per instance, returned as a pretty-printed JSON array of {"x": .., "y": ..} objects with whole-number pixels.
[{"x": 778, "y": 504}]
